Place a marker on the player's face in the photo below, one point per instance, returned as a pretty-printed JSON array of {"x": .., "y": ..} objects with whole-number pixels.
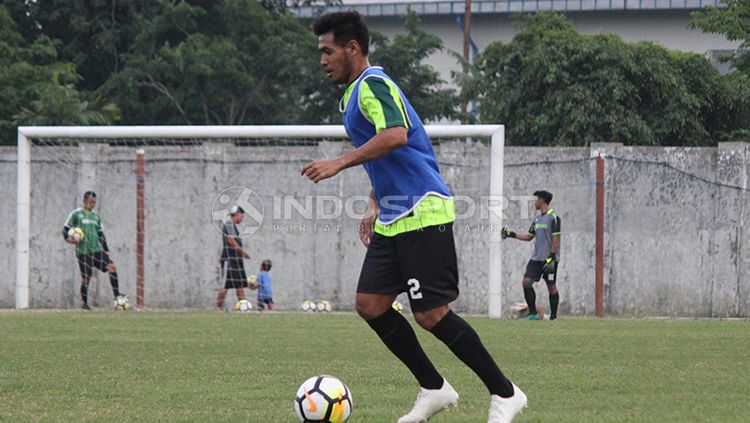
[
  {"x": 334, "y": 59},
  {"x": 89, "y": 203},
  {"x": 539, "y": 203},
  {"x": 237, "y": 218}
]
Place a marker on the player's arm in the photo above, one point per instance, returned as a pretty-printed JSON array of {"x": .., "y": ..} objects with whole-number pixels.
[
  {"x": 383, "y": 107},
  {"x": 103, "y": 241},
  {"x": 556, "y": 232},
  {"x": 232, "y": 241},
  {"x": 507, "y": 233},
  {"x": 381, "y": 144},
  {"x": 70, "y": 222}
]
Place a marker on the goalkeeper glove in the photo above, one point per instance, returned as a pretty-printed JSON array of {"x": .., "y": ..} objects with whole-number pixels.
[
  {"x": 550, "y": 263},
  {"x": 507, "y": 233}
]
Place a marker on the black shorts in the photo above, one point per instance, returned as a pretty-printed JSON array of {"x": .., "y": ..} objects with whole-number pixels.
[
  {"x": 535, "y": 271},
  {"x": 233, "y": 273},
  {"x": 421, "y": 263},
  {"x": 87, "y": 262}
]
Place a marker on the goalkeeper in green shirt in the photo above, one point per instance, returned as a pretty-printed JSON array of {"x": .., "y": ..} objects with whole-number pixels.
[{"x": 91, "y": 249}]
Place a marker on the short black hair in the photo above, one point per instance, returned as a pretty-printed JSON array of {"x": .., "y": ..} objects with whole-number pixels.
[
  {"x": 89, "y": 194},
  {"x": 544, "y": 195},
  {"x": 266, "y": 265},
  {"x": 346, "y": 26}
]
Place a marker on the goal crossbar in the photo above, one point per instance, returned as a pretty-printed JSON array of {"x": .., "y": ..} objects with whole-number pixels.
[{"x": 27, "y": 133}]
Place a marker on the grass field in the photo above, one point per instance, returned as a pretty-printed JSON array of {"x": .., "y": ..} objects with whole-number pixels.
[{"x": 158, "y": 366}]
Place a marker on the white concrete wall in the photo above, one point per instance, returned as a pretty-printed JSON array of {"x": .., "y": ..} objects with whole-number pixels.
[{"x": 676, "y": 237}]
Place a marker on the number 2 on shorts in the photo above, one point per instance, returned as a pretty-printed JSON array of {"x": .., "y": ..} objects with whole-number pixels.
[{"x": 414, "y": 290}]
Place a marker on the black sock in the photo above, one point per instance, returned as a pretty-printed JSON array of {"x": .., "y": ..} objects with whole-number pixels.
[
  {"x": 530, "y": 295},
  {"x": 554, "y": 300},
  {"x": 461, "y": 338},
  {"x": 113, "y": 282},
  {"x": 397, "y": 334},
  {"x": 84, "y": 293}
]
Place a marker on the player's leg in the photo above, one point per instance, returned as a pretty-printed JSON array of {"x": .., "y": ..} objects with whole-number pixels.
[
  {"x": 225, "y": 280},
  {"x": 380, "y": 282},
  {"x": 238, "y": 278},
  {"x": 428, "y": 260},
  {"x": 106, "y": 265},
  {"x": 533, "y": 274},
  {"x": 85, "y": 264},
  {"x": 554, "y": 295}
]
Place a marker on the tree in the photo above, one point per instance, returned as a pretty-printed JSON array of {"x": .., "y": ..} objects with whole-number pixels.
[
  {"x": 558, "y": 87},
  {"x": 733, "y": 21},
  {"x": 35, "y": 86},
  {"x": 403, "y": 59}
]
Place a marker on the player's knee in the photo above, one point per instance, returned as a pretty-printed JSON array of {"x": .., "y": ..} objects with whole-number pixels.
[
  {"x": 552, "y": 288},
  {"x": 428, "y": 319},
  {"x": 368, "y": 309},
  {"x": 527, "y": 283},
  {"x": 84, "y": 281}
]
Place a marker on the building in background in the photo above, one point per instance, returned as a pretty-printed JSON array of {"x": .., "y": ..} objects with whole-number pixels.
[{"x": 664, "y": 22}]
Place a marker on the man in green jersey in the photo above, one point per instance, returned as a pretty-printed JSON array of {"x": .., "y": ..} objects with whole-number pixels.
[{"x": 91, "y": 250}]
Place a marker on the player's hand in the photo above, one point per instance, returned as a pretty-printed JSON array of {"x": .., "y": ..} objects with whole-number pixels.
[
  {"x": 367, "y": 223},
  {"x": 245, "y": 254},
  {"x": 71, "y": 240},
  {"x": 507, "y": 233},
  {"x": 366, "y": 230},
  {"x": 550, "y": 264},
  {"x": 321, "y": 169}
]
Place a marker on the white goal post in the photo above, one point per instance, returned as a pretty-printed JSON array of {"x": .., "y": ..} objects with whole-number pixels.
[{"x": 28, "y": 133}]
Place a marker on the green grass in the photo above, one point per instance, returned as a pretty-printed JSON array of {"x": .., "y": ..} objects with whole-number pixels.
[{"x": 146, "y": 366}]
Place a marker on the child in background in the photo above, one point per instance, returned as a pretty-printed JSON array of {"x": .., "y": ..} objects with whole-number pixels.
[{"x": 263, "y": 283}]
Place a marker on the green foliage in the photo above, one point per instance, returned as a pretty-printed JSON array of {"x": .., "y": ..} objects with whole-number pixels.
[
  {"x": 37, "y": 88},
  {"x": 403, "y": 59},
  {"x": 554, "y": 86},
  {"x": 731, "y": 20}
]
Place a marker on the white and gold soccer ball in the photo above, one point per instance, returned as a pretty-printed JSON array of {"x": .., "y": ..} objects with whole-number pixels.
[
  {"x": 307, "y": 306},
  {"x": 323, "y": 399},
  {"x": 324, "y": 306},
  {"x": 252, "y": 282},
  {"x": 121, "y": 303},
  {"x": 76, "y": 233},
  {"x": 243, "y": 305}
]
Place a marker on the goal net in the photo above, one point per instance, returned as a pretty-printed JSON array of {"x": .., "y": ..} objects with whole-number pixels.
[{"x": 165, "y": 192}]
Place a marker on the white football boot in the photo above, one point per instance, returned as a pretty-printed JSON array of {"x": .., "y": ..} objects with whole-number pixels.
[
  {"x": 430, "y": 402},
  {"x": 503, "y": 410}
]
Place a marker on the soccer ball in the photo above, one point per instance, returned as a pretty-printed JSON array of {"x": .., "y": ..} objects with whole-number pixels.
[
  {"x": 252, "y": 282},
  {"x": 121, "y": 303},
  {"x": 397, "y": 306},
  {"x": 324, "y": 306},
  {"x": 323, "y": 399},
  {"x": 307, "y": 305},
  {"x": 244, "y": 305},
  {"x": 75, "y": 233}
]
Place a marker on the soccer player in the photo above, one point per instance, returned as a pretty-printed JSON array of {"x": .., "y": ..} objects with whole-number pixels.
[
  {"x": 265, "y": 293},
  {"x": 410, "y": 246},
  {"x": 544, "y": 260},
  {"x": 232, "y": 266},
  {"x": 92, "y": 250}
]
